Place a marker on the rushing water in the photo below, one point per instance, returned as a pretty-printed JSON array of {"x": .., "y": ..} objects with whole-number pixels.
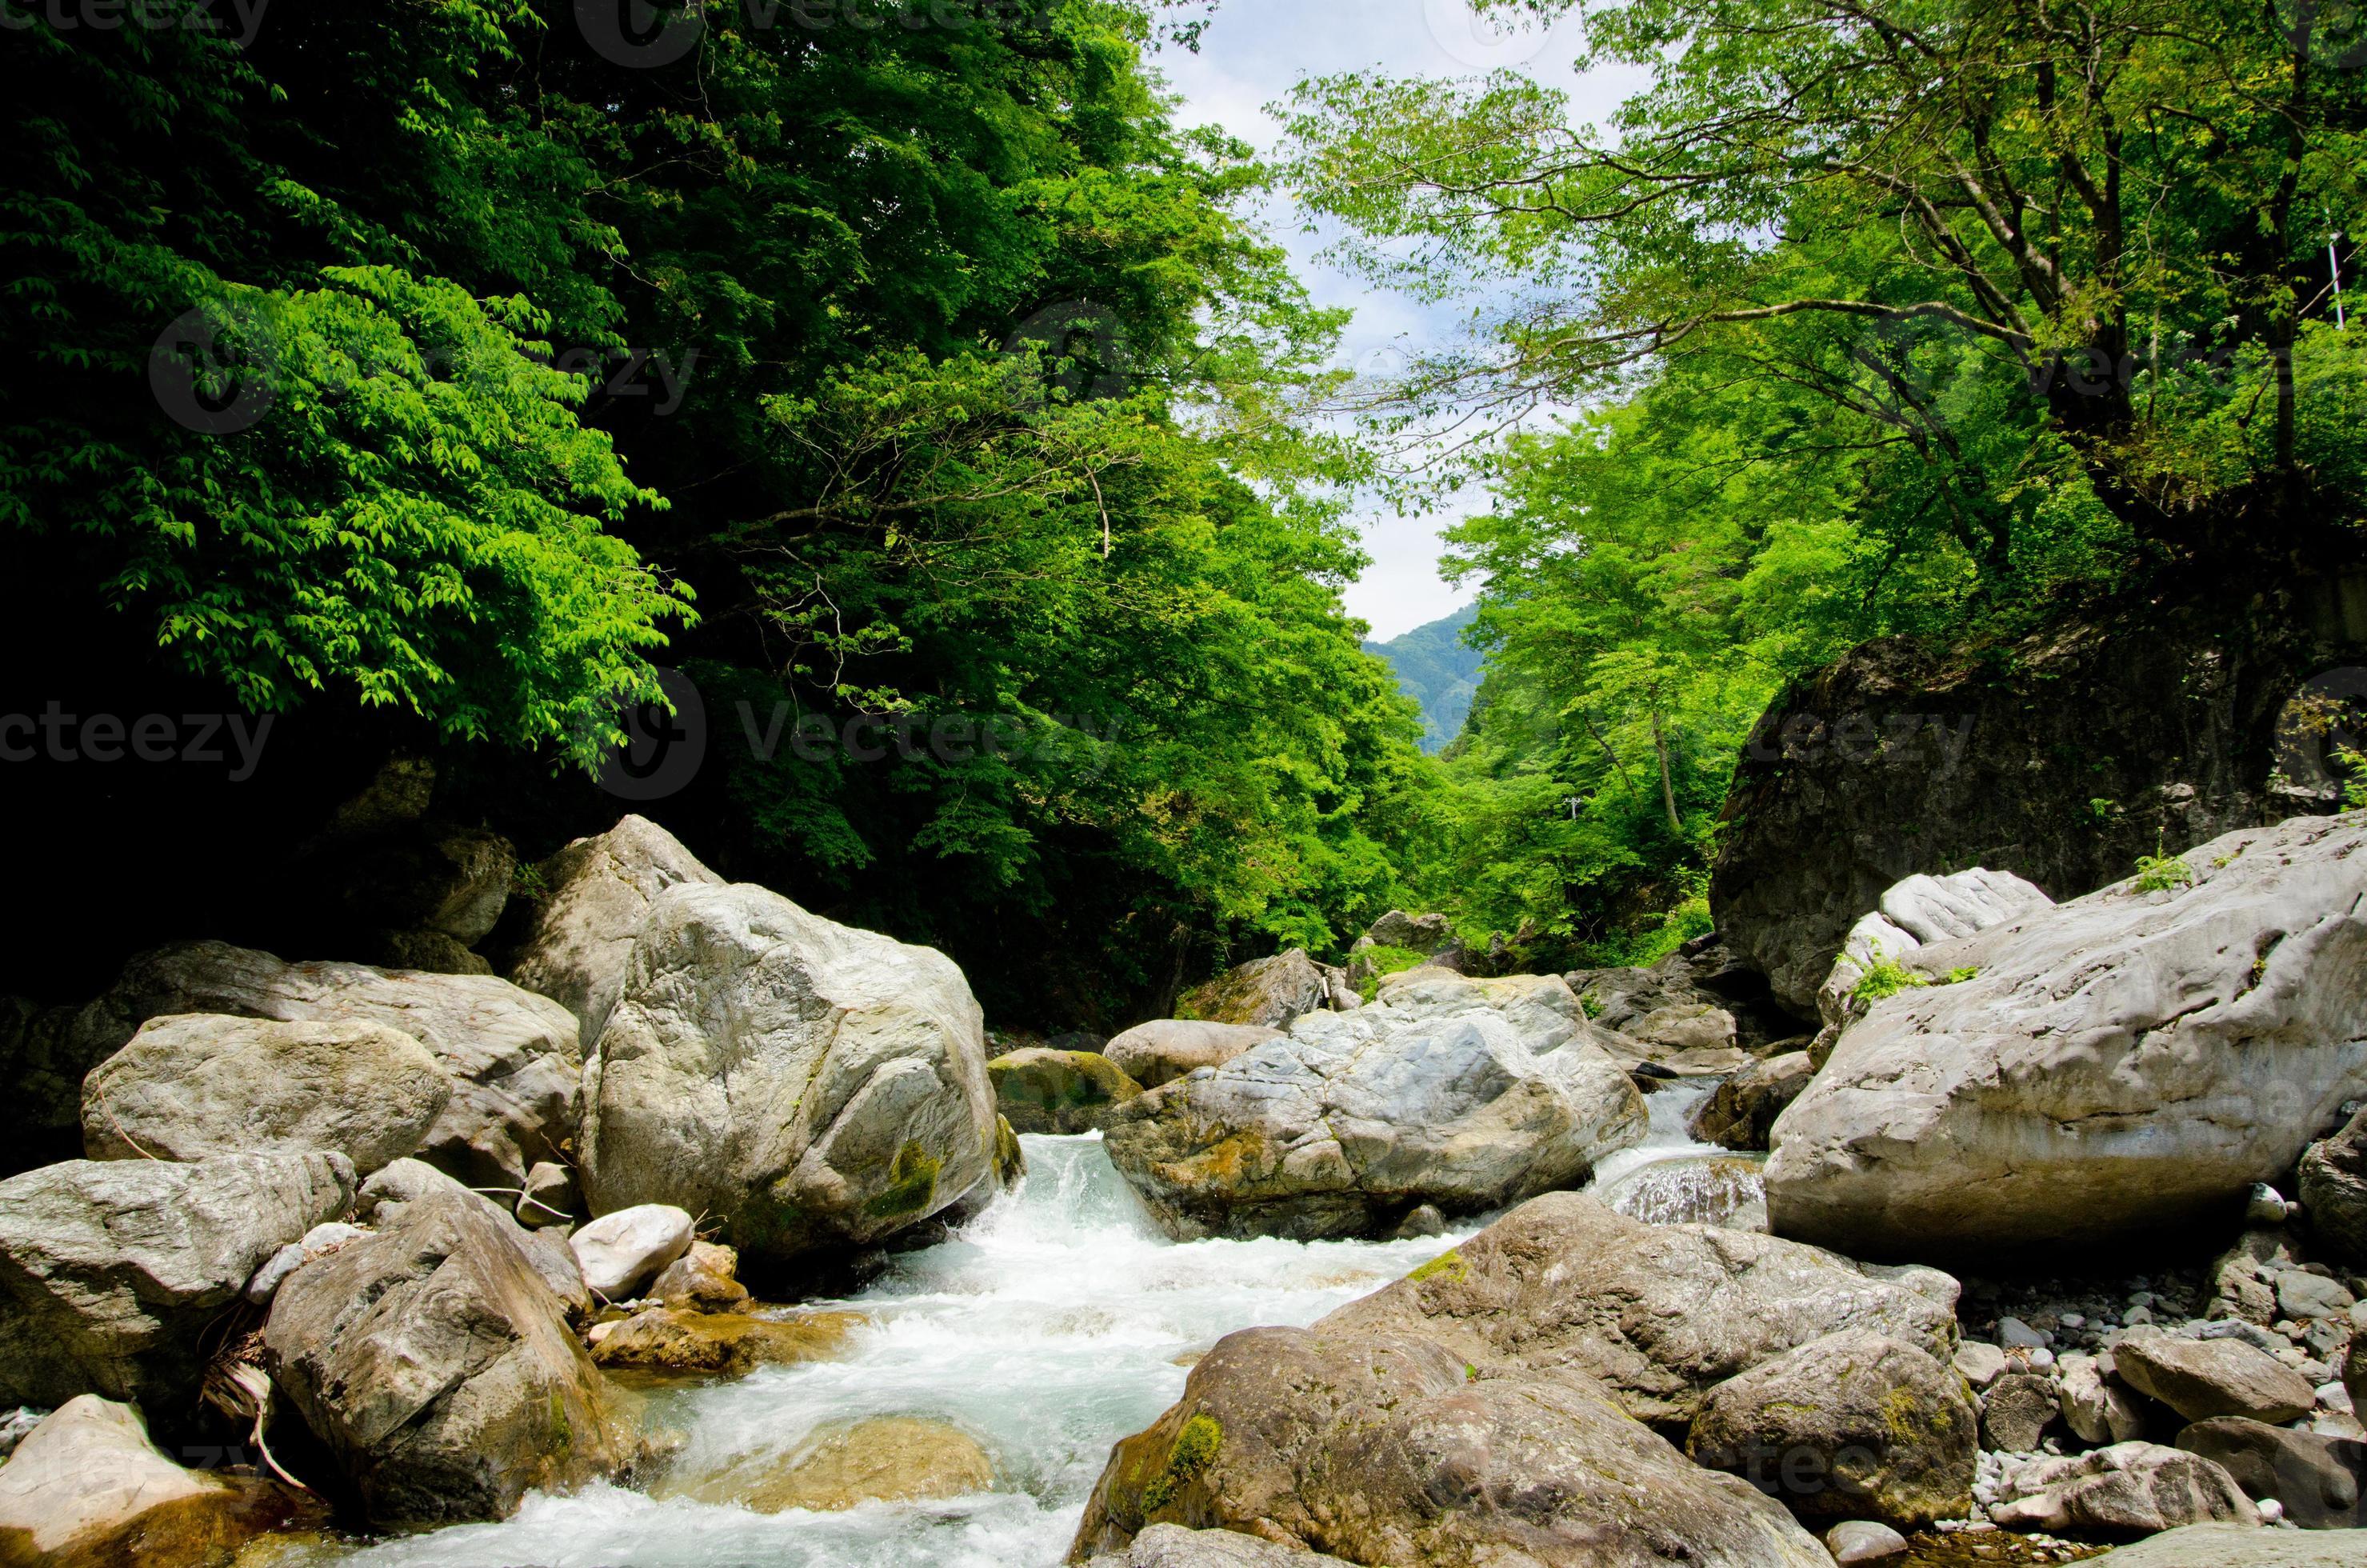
[{"x": 1055, "y": 1324}]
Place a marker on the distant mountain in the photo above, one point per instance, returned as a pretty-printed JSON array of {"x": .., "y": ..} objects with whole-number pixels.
[{"x": 1438, "y": 671}]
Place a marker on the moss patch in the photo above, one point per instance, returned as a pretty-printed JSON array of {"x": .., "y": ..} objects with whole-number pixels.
[
  {"x": 1447, "y": 1265},
  {"x": 1195, "y": 1450},
  {"x": 912, "y": 1182}
]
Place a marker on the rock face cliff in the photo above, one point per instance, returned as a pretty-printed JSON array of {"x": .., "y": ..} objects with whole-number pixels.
[{"x": 2061, "y": 759}]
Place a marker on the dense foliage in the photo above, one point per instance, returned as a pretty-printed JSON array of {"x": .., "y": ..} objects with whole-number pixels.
[
  {"x": 922, "y": 373},
  {"x": 1899, "y": 315}
]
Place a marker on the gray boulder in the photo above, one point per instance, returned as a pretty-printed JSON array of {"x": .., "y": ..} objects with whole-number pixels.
[
  {"x": 511, "y": 1056},
  {"x": 384, "y": 1197},
  {"x": 2212, "y": 1028},
  {"x": 438, "y": 1371},
  {"x": 2334, "y": 1193},
  {"x": 624, "y": 1251},
  {"x": 1167, "y": 1049},
  {"x": 1854, "y": 1425},
  {"x": 1467, "y": 1095},
  {"x": 1391, "y": 1448},
  {"x": 1744, "y": 1109},
  {"x": 2129, "y": 1489},
  {"x": 1660, "y": 1313},
  {"x": 2201, "y": 1378},
  {"x": 1920, "y": 911},
  {"x": 2316, "y": 1479},
  {"x": 1269, "y": 991},
  {"x": 2097, "y": 1410},
  {"x": 194, "y": 1085},
  {"x": 593, "y": 896},
  {"x": 800, "y": 1084},
  {"x": 112, "y": 1271},
  {"x": 2240, "y": 1546},
  {"x": 1173, "y": 1546}
]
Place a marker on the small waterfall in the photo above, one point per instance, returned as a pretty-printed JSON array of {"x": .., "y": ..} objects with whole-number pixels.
[{"x": 1672, "y": 1179}]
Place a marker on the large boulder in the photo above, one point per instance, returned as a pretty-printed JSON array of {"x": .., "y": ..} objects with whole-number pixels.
[
  {"x": 2211, "y": 1031},
  {"x": 1921, "y": 912},
  {"x": 670, "y": 1340},
  {"x": 193, "y": 1085},
  {"x": 1173, "y": 1546},
  {"x": 511, "y": 1056},
  {"x": 2334, "y": 1193},
  {"x": 801, "y": 1084},
  {"x": 1660, "y": 1313},
  {"x": 1903, "y": 757},
  {"x": 2201, "y": 1378},
  {"x": 2316, "y": 1480},
  {"x": 2241, "y": 1546},
  {"x": 112, "y": 1271},
  {"x": 1167, "y": 1049},
  {"x": 384, "y": 1197},
  {"x": 86, "y": 1489},
  {"x": 438, "y": 1371},
  {"x": 589, "y": 902},
  {"x": 1269, "y": 991},
  {"x": 1059, "y": 1091},
  {"x": 2129, "y": 1489},
  {"x": 1464, "y": 1094},
  {"x": 1387, "y": 1448},
  {"x": 1854, "y": 1425},
  {"x": 623, "y": 1251}
]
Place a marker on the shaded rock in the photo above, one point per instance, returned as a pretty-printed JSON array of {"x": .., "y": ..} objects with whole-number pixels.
[
  {"x": 432, "y": 952},
  {"x": 437, "y": 1369},
  {"x": 2239, "y": 1546},
  {"x": 112, "y": 1271},
  {"x": 1463, "y": 1094},
  {"x": 666, "y": 1339},
  {"x": 1979, "y": 1364},
  {"x": 592, "y": 897},
  {"x": 548, "y": 1198},
  {"x": 1854, "y": 1426},
  {"x": 385, "y": 1196},
  {"x": 893, "y": 1458},
  {"x": 316, "y": 1243},
  {"x": 43, "y": 1061},
  {"x": 2334, "y": 1192},
  {"x": 2097, "y": 1412},
  {"x": 429, "y": 879},
  {"x": 2318, "y": 1480},
  {"x": 1424, "y": 934},
  {"x": 2210, "y": 1029},
  {"x": 1269, "y": 992},
  {"x": 1661, "y": 1314},
  {"x": 1059, "y": 1091},
  {"x": 621, "y": 1253},
  {"x": 1861, "y": 1540},
  {"x": 2017, "y": 1411},
  {"x": 1693, "y": 1027},
  {"x": 703, "y": 1280},
  {"x": 194, "y": 1084},
  {"x": 2127, "y": 1489},
  {"x": 511, "y": 1056},
  {"x": 1745, "y": 1107},
  {"x": 803, "y": 1084},
  {"x": 86, "y": 1489},
  {"x": 2201, "y": 1378},
  {"x": 1387, "y": 1448},
  {"x": 1167, "y": 1049}
]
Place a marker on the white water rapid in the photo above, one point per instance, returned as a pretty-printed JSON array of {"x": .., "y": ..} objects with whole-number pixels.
[{"x": 1051, "y": 1326}]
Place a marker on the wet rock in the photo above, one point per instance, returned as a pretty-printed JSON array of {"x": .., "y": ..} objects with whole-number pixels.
[
  {"x": 894, "y": 1459},
  {"x": 86, "y": 1489},
  {"x": 1167, "y": 1049},
  {"x": 2202, "y": 1379},
  {"x": 1660, "y": 1314},
  {"x": 2128, "y": 1489},
  {"x": 1861, "y": 1541},
  {"x": 1423, "y": 1221},
  {"x": 112, "y": 1271},
  {"x": 1173, "y": 1546},
  {"x": 803, "y": 1084},
  {"x": 2316, "y": 1480},
  {"x": 592, "y": 898},
  {"x": 1743, "y": 1110},
  {"x": 1059, "y": 1091},
  {"x": 511, "y": 1057},
  {"x": 437, "y": 1369},
  {"x": 621, "y": 1253},
  {"x": 2012, "y": 1110},
  {"x": 1467, "y": 1095},
  {"x": 703, "y": 1280},
  {"x": 2017, "y": 1411},
  {"x": 1380, "y": 1447},
  {"x": 666, "y": 1339},
  {"x": 1269, "y": 991},
  {"x": 1718, "y": 1189},
  {"x": 194, "y": 1084},
  {"x": 1854, "y": 1426},
  {"x": 2334, "y": 1192}
]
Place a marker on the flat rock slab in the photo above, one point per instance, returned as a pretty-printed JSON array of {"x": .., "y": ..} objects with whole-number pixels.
[
  {"x": 2201, "y": 1378},
  {"x": 2233, "y": 1545}
]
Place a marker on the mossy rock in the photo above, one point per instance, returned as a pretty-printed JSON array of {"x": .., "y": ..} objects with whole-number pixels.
[
  {"x": 894, "y": 1459},
  {"x": 1041, "y": 1090},
  {"x": 694, "y": 1343}
]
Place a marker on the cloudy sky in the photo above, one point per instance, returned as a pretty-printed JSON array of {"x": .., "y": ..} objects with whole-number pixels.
[{"x": 1251, "y": 55}]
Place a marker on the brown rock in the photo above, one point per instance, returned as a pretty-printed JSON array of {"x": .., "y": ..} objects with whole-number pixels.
[
  {"x": 2203, "y": 1378},
  {"x": 2317, "y": 1478},
  {"x": 1167, "y": 1049},
  {"x": 664, "y": 1339},
  {"x": 1269, "y": 992},
  {"x": 703, "y": 1280},
  {"x": 2128, "y": 1489},
  {"x": 2017, "y": 1411},
  {"x": 892, "y": 1459},
  {"x": 1738, "y": 1115}
]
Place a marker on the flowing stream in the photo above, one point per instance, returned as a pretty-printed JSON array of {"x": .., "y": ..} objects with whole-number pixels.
[{"x": 1057, "y": 1322}]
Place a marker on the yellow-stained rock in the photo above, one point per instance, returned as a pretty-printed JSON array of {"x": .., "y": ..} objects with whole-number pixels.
[
  {"x": 667, "y": 1339},
  {"x": 892, "y": 1459}
]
